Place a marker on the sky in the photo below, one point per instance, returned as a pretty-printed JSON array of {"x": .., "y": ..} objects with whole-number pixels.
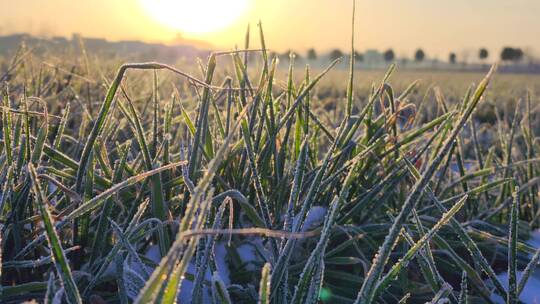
[{"x": 437, "y": 26}]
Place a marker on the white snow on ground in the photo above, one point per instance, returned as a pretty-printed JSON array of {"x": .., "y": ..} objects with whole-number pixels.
[
  {"x": 247, "y": 255},
  {"x": 221, "y": 263},
  {"x": 153, "y": 254},
  {"x": 249, "y": 252},
  {"x": 529, "y": 295},
  {"x": 531, "y": 291},
  {"x": 252, "y": 253},
  {"x": 186, "y": 290},
  {"x": 535, "y": 239},
  {"x": 314, "y": 218}
]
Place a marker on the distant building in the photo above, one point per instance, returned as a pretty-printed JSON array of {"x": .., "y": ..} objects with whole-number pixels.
[
  {"x": 59, "y": 40},
  {"x": 132, "y": 50}
]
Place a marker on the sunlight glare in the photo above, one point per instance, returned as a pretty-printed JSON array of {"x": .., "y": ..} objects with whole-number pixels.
[{"x": 195, "y": 16}]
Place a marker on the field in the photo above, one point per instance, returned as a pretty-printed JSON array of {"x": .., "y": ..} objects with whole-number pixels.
[{"x": 243, "y": 181}]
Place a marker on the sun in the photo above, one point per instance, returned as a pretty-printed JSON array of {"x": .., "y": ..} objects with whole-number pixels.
[{"x": 195, "y": 16}]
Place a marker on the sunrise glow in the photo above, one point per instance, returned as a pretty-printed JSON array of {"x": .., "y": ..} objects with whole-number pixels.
[{"x": 195, "y": 17}]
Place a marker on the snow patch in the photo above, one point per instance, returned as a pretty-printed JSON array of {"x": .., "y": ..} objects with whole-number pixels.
[
  {"x": 530, "y": 293},
  {"x": 153, "y": 254},
  {"x": 134, "y": 276},
  {"x": 221, "y": 263},
  {"x": 247, "y": 255},
  {"x": 534, "y": 241},
  {"x": 186, "y": 289},
  {"x": 314, "y": 218}
]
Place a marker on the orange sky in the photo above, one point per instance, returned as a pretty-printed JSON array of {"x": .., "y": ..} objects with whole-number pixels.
[{"x": 435, "y": 25}]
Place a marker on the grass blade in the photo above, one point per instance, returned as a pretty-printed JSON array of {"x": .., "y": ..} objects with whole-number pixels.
[{"x": 60, "y": 261}]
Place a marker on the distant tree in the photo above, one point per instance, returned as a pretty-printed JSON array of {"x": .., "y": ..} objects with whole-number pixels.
[
  {"x": 511, "y": 54},
  {"x": 389, "y": 55},
  {"x": 452, "y": 58},
  {"x": 507, "y": 54},
  {"x": 358, "y": 56},
  {"x": 311, "y": 54},
  {"x": 335, "y": 54},
  {"x": 419, "y": 55},
  {"x": 518, "y": 54},
  {"x": 483, "y": 54}
]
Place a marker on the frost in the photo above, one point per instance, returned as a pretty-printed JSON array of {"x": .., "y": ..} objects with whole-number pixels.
[
  {"x": 135, "y": 276},
  {"x": 133, "y": 281}
]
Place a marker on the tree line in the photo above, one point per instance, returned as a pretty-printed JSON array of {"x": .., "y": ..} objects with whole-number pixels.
[{"x": 508, "y": 54}]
